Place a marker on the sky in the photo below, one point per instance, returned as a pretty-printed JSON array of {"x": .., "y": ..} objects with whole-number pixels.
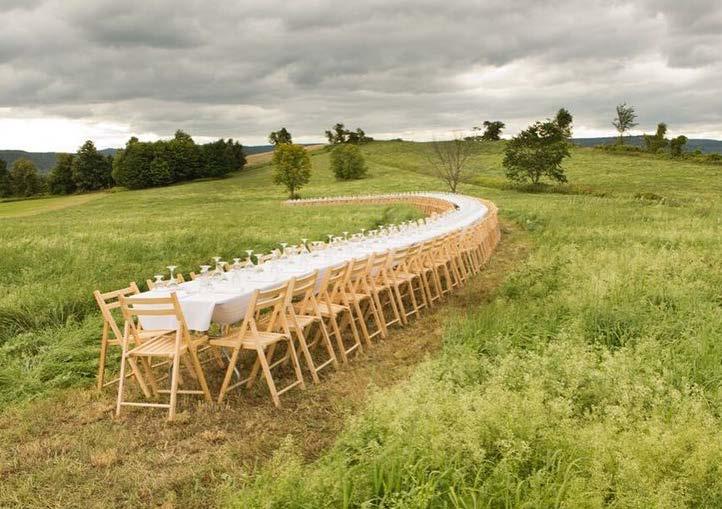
[{"x": 105, "y": 70}]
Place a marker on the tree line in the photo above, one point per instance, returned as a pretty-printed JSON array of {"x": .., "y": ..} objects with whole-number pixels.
[{"x": 138, "y": 165}]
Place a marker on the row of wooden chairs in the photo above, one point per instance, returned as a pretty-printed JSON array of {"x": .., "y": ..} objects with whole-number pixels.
[{"x": 317, "y": 320}]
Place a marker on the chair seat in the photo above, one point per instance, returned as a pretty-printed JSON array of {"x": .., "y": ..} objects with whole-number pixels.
[
  {"x": 334, "y": 310},
  {"x": 356, "y": 297},
  {"x": 250, "y": 340},
  {"x": 404, "y": 276},
  {"x": 162, "y": 346},
  {"x": 306, "y": 320}
]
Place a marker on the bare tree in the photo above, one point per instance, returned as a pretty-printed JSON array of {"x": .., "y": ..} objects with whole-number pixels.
[{"x": 449, "y": 159}]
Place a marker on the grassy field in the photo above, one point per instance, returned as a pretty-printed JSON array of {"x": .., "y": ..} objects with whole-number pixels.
[
  {"x": 54, "y": 257},
  {"x": 582, "y": 370}
]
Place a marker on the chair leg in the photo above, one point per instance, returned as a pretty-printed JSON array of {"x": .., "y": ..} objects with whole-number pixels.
[
  {"x": 229, "y": 374},
  {"x": 101, "y": 363},
  {"x": 174, "y": 387},
  {"x": 396, "y": 294},
  {"x": 296, "y": 364},
  {"x": 141, "y": 381},
  {"x": 121, "y": 385},
  {"x": 339, "y": 338},
  {"x": 306, "y": 353},
  {"x": 327, "y": 342},
  {"x": 200, "y": 375},
  {"x": 362, "y": 322},
  {"x": 376, "y": 303},
  {"x": 267, "y": 374}
]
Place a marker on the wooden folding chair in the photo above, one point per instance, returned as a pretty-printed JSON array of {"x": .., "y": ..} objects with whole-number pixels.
[
  {"x": 382, "y": 290},
  {"x": 263, "y": 342},
  {"x": 303, "y": 316},
  {"x": 406, "y": 283},
  {"x": 329, "y": 298},
  {"x": 439, "y": 260},
  {"x": 424, "y": 264},
  {"x": 357, "y": 296},
  {"x": 175, "y": 346},
  {"x": 112, "y": 335}
]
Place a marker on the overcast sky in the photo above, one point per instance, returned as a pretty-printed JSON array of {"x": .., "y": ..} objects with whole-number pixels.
[{"x": 108, "y": 69}]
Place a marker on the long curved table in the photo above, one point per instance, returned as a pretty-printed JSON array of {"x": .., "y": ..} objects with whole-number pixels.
[{"x": 226, "y": 302}]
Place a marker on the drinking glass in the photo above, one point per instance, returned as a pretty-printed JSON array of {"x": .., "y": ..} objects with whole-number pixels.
[
  {"x": 283, "y": 249},
  {"x": 249, "y": 252},
  {"x": 158, "y": 282},
  {"x": 172, "y": 282}
]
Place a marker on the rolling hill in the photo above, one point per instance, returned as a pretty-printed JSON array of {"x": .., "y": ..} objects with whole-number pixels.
[{"x": 705, "y": 145}]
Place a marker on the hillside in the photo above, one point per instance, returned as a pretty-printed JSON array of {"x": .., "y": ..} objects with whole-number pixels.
[
  {"x": 706, "y": 146},
  {"x": 581, "y": 369}
]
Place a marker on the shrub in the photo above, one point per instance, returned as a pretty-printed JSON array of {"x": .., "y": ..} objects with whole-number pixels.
[{"x": 347, "y": 162}]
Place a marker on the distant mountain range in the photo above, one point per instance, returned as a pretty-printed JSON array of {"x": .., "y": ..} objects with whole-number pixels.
[
  {"x": 45, "y": 161},
  {"x": 706, "y": 146}
]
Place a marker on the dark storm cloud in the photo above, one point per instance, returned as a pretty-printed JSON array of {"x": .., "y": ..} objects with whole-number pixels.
[{"x": 240, "y": 69}]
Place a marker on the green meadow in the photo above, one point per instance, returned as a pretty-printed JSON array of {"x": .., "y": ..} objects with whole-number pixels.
[{"x": 588, "y": 375}]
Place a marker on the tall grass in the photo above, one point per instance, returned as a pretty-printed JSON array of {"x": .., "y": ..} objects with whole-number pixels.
[
  {"x": 53, "y": 258},
  {"x": 591, "y": 380}
]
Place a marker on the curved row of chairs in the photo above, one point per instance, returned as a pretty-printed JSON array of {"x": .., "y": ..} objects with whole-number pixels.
[{"x": 308, "y": 324}]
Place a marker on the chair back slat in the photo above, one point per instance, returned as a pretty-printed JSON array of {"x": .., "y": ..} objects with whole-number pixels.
[
  {"x": 302, "y": 285},
  {"x": 109, "y": 301}
]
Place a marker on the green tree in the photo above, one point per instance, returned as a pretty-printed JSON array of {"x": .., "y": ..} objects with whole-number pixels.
[
  {"x": 624, "y": 121},
  {"x": 280, "y": 136},
  {"x": 183, "y": 157},
  {"x": 131, "y": 166},
  {"x": 292, "y": 167},
  {"x": 676, "y": 145},
  {"x": 60, "y": 179},
  {"x": 492, "y": 130},
  {"x": 24, "y": 178},
  {"x": 235, "y": 156},
  {"x": 337, "y": 134},
  {"x": 564, "y": 120},
  {"x": 347, "y": 162},
  {"x": 538, "y": 151},
  {"x": 91, "y": 170},
  {"x": 215, "y": 159},
  {"x": 656, "y": 142},
  {"x": 5, "y": 183}
]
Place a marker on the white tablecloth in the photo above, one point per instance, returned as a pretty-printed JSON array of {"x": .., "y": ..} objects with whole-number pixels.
[{"x": 226, "y": 301}]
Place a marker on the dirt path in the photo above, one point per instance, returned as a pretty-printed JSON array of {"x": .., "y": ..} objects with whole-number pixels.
[{"x": 69, "y": 451}]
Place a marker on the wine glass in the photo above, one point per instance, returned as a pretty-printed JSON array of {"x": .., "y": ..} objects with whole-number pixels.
[
  {"x": 172, "y": 282},
  {"x": 283, "y": 249},
  {"x": 304, "y": 244},
  {"x": 345, "y": 235},
  {"x": 204, "y": 276},
  {"x": 249, "y": 252},
  {"x": 158, "y": 284}
]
